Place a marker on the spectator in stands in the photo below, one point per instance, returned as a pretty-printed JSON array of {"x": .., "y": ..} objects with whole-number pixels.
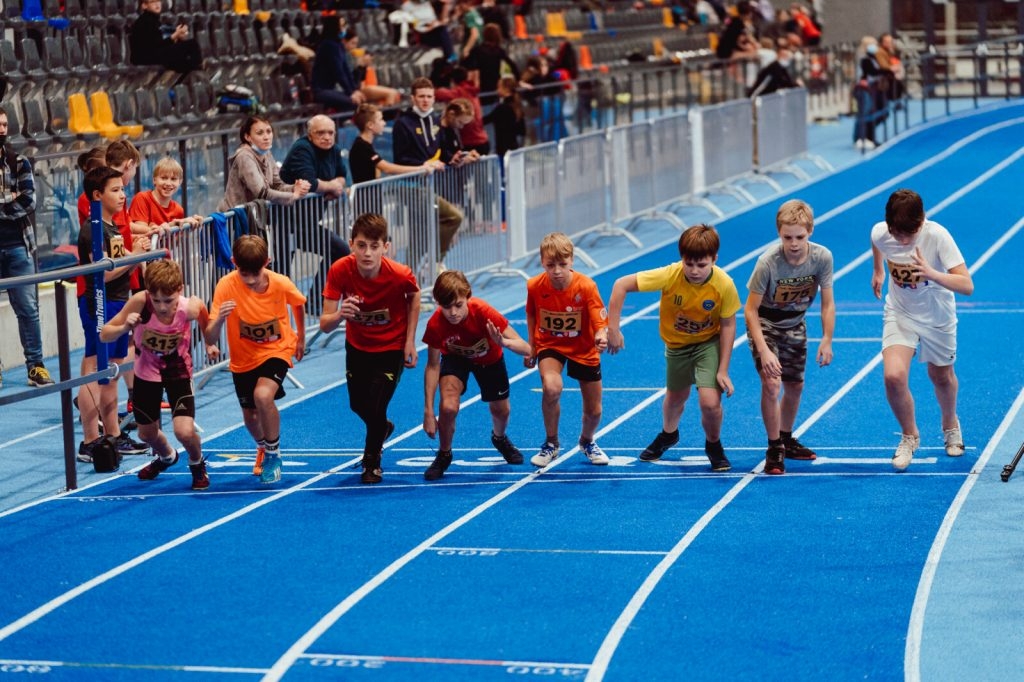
[
  {"x": 316, "y": 159},
  {"x": 457, "y": 115},
  {"x": 149, "y": 45},
  {"x": 154, "y": 211},
  {"x": 775, "y": 76},
  {"x": 473, "y": 134},
  {"x": 889, "y": 59},
  {"x": 252, "y": 172},
  {"x": 17, "y": 252},
  {"x": 870, "y": 95},
  {"x": 807, "y": 28},
  {"x": 492, "y": 14},
  {"x": 431, "y": 30},
  {"x": 415, "y": 141},
  {"x": 472, "y": 25},
  {"x": 507, "y": 117},
  {"x": 738, "y": 39},
  {"x": 486, "y": 62},
  {"x": 363, "y": 159},
  {"x": 360, "y": 61},
  {"x": 331, "y": 69}
]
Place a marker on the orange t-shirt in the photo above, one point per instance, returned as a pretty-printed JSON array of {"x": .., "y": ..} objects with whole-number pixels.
[
  {"x": 258, "y": 329},
  {"x": 565, "y": 321},
  {"x": 146, "y": 209}
]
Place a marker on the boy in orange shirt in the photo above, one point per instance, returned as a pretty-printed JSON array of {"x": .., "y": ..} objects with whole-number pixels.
[
  {"x": 254, "y": 303},
  {"x": 155, "y": 210},
  {"x": 380, "y": 300},
  {"x": 568, "y": 325},
  {"x": 464, "y": 336}
]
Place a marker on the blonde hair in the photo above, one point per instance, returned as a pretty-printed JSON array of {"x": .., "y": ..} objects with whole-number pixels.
[
  {"x": 167, "y": 166},
  {"x": 556, "y": 245},
  {"x": 795, "y": 212}
]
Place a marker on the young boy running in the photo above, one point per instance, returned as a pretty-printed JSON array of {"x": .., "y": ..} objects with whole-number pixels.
[
  {"x": 568, "y": 325},
  {"x": 254, "y": 302},
  {"x": 379, "y": 298},
  {"x": 466, "y": 336},
  {"x": 99, "y": 401},
  {"x": 782, "y": 287},
  {"x": 161, "y": 317},
  {"x": 698, "y": 325},
  {"x": 925, "y": 269}
]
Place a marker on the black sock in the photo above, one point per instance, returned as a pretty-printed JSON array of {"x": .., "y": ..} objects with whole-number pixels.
[
  {"x": 786, "y": 435},
  {"x": 774, "y": 443},
  {"x": 553, "y": 440}
]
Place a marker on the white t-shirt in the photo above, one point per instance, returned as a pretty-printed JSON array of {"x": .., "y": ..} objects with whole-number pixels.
[
  {"x": 423, "y": 14},
  {"x": 924, "y": 302}
]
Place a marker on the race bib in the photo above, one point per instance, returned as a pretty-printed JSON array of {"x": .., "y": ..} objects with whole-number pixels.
[
  {"x": 477, "y": 350},
  {"x": 558, "y": 323},
  {"x": 905, "y": 275},
  {"x": 260, "y": 332},
  {"x": 685, "y": 325},
  {"x": 372, "y": 318},
  {"x": 117, "y": 249},
  {"x": 159, "y": 343},
  {"x": 794, "y": 291}
]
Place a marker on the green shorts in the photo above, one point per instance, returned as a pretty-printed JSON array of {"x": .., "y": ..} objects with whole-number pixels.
[{"x": 693, "y": 364}]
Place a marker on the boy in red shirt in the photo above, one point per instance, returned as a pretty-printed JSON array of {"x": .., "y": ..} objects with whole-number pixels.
[
  {"x": 254, "y": 303},
  {"x": 466, "y": 336},
  {"x": 155, "y": 210},
  {"x": 568, "y": 325},
  {"x": 380, "y": 301}
]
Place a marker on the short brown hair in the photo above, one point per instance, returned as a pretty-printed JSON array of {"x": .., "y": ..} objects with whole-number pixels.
[
  {"x": 250, "y": 253},
  {"x": 164, "y": 277},
  {"x": 904, "y": 212},
  {"x": 449, "y": 286},
  {"x": 372, "y": 226},
  {"x": 364, "y": 114},
  {"x": 795, "y": 212},
  {"x": 421, "y": 83},
  {"x": 699, "y": 241},
  {"x": 556, "y": 245},
  {"x": 120, "y": 151}
]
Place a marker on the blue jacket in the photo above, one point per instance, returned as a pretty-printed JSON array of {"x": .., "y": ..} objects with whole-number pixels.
[
  {"x": 307, "y": 161},
  {"x": 330, "y": 68},
  {"x": 412, "y": 140}
]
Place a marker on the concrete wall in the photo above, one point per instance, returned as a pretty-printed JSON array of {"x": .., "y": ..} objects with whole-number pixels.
[{"x": 851, "y": 20}]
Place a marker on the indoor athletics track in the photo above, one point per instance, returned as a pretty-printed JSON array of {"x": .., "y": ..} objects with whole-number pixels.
[{"x": 842, "y": 569}]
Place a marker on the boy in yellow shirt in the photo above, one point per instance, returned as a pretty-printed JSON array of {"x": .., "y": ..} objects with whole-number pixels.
[{"x": 698, "y": 325}]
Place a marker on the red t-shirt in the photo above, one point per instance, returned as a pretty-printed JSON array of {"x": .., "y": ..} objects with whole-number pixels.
[
  {"x": 384, "y": 312},
  {"x": 146, "y": 209},
  {"x": 468, "y": 338},
  {"x": 565, "y": 321}
]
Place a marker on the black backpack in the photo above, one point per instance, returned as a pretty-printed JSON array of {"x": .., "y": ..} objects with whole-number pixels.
[{"x": 105, "y": 456}]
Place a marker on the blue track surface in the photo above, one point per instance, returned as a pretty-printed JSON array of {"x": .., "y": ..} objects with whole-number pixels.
[{"x": 841, "y": 569}]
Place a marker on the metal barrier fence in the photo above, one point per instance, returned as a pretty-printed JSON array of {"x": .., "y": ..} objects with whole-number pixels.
[
  {"x": 780, "y": 127},
  {"x": 723, "y": 143}
]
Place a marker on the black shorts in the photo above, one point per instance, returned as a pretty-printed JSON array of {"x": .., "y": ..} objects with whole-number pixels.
[
  {"x": 577, "y": 371},
  {"x": 245, "y": 382},
  {"x": 492, "y": 379},
  {"x": 147, "y": 396}
]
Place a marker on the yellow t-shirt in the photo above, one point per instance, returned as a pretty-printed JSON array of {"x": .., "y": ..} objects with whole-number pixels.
[{"x": 690, "y": 313}]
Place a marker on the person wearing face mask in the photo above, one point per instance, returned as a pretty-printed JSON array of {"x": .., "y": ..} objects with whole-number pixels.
[
  {"x": 870, "y": 94},
  {"x": 775, "y": 76},
  {"x": 17, "y": 249},
  {"x": 252, "y": 172},
  {"x": 331, "y": 69}
]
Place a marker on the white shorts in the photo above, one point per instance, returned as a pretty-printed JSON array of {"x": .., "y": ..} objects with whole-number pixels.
[{"x": 938, "y": 344}]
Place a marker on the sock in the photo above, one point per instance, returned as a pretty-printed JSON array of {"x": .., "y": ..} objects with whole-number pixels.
[
  {"x": 774, "y": 443},
  {"x": 716, "y": 446},
  {"x": 585, "y": 441},
  {"x": 786, "y": 435},
  {"x": 670, "y": 434},
  {"x": 273, "y": 447},
  {"x": 261, "y": 443}
]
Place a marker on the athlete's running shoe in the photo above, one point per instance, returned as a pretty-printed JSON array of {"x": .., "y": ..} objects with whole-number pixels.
[
  {"x": 954, "y": 440},
  {"x": 200, "y": 479},
  {"x": 775, "y": 460},
  {"x": 548, "y": 453},
  {"x": 905, "y": 451},
  {"x": 39, "y": 376},
  {"x": 371, "y": 469},
  {"x": 271, "y": 469},
  {"x": 127, "y": 446},
  {"x": 154, "y": 468},
  {"x": 594, "y": 453},
  {"x": 509, "y": 451},
  {"x": 797, "y": 450},
  {"x": 716, "y": 455},
  {"x": 257, "y": 467},
  {"x": 441, "y": 462},
  {"x": 661, "y": 443}
]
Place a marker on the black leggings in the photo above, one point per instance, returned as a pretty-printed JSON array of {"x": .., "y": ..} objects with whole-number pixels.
[{"x": 372, "y": 380}]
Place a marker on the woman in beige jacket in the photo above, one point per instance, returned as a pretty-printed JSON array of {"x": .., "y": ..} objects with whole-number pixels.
[{"x": 252, "y": 171}]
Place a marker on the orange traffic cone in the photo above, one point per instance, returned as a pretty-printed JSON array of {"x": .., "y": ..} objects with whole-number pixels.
[
  {"x": 585, "y": 60},
  {"x": 521, "y": 27},
  {"x": 371, "y": 76}
]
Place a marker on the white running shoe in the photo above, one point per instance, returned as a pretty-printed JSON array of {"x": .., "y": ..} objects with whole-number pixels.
[
  {"x": 594, "y": 453},
  {"x": 954, "y": 441},
  {"x": 548, "y": 453},
  {"x": 905, "y": 451}
]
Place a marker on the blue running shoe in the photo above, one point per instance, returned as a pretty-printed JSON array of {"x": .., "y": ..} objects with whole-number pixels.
[{"x": 271, "y": 469}]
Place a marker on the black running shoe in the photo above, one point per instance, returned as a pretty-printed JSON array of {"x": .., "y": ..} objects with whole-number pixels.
[
  {"x": 662, "y": 442},
  {"x": 127, "y": 446},
  {"x": 796, "y": 450},
  {"x": 441, "y": 462},
  {"x": 509, "y": 451},
  {"x": 775, "y": 460},
  {"x": 371, "y": 469},
  {"x": 154, "y": 468},
  {"x": 716, "y": 455},
  {"x": 200, "y": 479}
]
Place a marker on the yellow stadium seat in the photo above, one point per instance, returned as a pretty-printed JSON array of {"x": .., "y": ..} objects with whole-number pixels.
[
  {"x": 556, "y": 24},
  {"x": 79, "y": 120},
  {"x": 103, "y": 118},
  {"x": 241, "y": 6}
]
